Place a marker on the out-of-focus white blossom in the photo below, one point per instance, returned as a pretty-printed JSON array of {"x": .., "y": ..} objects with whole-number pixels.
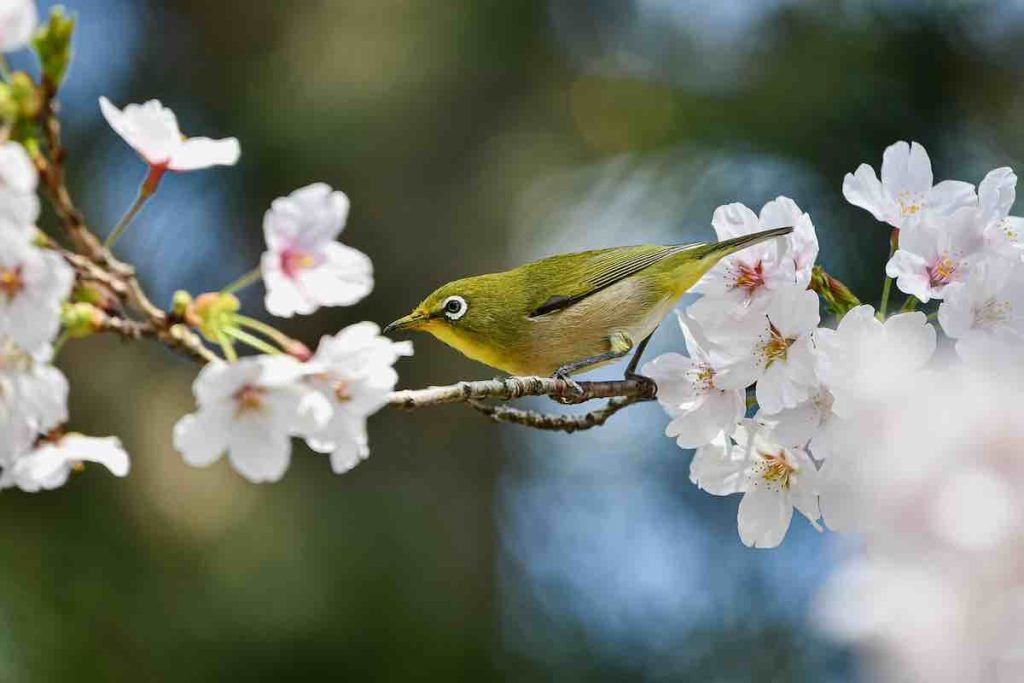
[
  {"x": 19, "y": 203},
  {"x": 353, "y": 371},
  {"x": 700, "y": 410},
  {"x": 986, "y": 311},
  {"x": 33, "y": 284},
  {"x": 250, "y": 409},
  {"x": 774, "y": 349},
  {"x": 304, "y": 266},
  {"x": 863, "y": 356},
  {"x": 18, "y": 20},
  {"x": 773, "y": 478},
  {"x": 905, "y": 189},
  {"x": 934, "y": 480},
  {"x": 49, "y": 464},
  {"x": 151, "y": 129}
]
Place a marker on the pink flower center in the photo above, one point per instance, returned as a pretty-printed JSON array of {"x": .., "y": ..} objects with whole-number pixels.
[
  {"x": 748, "y": 278},
  {"x": 943, "y": 271},
  {"x": 294, "y": 261},
  {"x": 248, "y": 399},
  {"x": 11, "y": 281},
  {"x": 774, "y": 346}
]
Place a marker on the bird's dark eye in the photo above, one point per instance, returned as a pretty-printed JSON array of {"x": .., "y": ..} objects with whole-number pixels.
[{"x": 454, "y": 307}]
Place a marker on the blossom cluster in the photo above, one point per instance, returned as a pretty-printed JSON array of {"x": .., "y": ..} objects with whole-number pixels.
[
  {"x": 756, "y": 345},
  {"x": 249, "y": 406}
]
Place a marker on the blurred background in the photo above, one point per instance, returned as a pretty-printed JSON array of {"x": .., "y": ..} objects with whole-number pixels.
[{"x": 471, "y": 135}]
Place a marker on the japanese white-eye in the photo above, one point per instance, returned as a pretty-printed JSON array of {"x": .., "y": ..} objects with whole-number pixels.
[{"x": 572, "y": 312}]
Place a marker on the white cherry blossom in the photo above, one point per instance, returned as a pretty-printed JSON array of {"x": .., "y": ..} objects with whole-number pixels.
[
  {"x": 811, "y": 424},
  {"x": 18, "y": 20},
  {"x": 700, "y": 410},
  {"x": 773, "y": 478},
  {"x": 774, "y": 349},
  {"x": 988, "y": 308},
  {"x": 936, "y": 251},
  {"x": 863, "y": 356},
  {"x": 151, "y": 129},
  {"x": 353, "y": 371},
  {"x": 19, "y": 203},
  {"x": 304, "y": 268},
  {"x": 250, "y": 409},
  {"x": 905, "y": 188},
  {"x": 33, "y": 284},
  {"x": 747, "y": 278},
  {"x": 49, "y": 464},
  {"x": 33, "y": 396}
]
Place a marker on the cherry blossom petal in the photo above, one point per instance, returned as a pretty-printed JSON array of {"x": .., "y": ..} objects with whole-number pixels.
[
  {"x": 718, "y": 469},
  {"x": 763, "y": 518},
  {"x": 194, "y": 154}
]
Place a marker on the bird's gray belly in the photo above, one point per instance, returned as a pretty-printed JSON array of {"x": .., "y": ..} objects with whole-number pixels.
[{"x": 584, "y": 329}]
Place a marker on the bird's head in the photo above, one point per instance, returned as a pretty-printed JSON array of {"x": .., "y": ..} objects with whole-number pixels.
[{"x": 463, "y": 313}]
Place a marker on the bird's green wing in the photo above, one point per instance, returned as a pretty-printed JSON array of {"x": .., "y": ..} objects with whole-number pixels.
[{"x": 570, "y": 278}]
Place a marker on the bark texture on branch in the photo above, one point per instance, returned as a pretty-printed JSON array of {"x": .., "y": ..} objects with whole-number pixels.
[{"x": 623, "y": 393}]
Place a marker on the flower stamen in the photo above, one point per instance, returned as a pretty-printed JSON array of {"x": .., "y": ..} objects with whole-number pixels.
[{"x": 11, "y": 281}]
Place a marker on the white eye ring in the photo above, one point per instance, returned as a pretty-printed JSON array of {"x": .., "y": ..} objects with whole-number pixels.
[{"x": 454, "y": 307}]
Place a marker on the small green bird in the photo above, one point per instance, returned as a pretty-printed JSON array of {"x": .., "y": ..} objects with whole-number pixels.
[{"x": 567, "y": 313}]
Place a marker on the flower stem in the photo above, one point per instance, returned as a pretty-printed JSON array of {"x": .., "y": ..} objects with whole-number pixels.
[
  {"x": 126, "y": 219},
  {"x": 59, "y": 344},
  {"x": 883, "y": 307},
  {"x": 909, "y": 305},
  {"x": 243, "y": 282},
  {"x": 263, "y": 328},
  {"x": 5, "y": 70},
  {"x": 227, "y": 347},
  {"x": 250, "y": 340}
]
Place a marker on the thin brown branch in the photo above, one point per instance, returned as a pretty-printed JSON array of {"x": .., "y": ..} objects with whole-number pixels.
[
  {"x": 509, "y": 388},
  {"x": 554, "y": 422},
  {"x": 92, "y": 260},
  {"x": 623, "y": 393}
]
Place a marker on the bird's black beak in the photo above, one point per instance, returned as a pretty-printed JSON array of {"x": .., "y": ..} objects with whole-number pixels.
[{"x": 413, "y": 321}]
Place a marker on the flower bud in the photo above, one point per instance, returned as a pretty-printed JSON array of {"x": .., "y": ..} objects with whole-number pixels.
[
  {"x": 180, "y": 304},
  {"x": 52, "y": 44},
  {"x": 96, "y": 294},
  {"x": 836, "y": 295},
  {"x": 81, "y": 319},
  {"x": 212, "y": 313},
  {"x": 25, "y": 96},
  {"x": 298, "y": 350}
]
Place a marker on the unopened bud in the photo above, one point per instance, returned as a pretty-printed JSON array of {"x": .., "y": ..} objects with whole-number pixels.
[
  {"x": 836, "y": 295},
  {"x": 25, "y": 95},
  {"x": 180, "y": 304},
  {"x": 96, "y": 294},
  {"x": 212, "y": 313},
  {"x": 81, "y": 319},
  {"x": 298, "y": 350},
  {"x": 52, "y": 44}
]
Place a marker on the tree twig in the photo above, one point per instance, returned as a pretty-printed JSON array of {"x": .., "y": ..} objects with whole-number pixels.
[{"x": 623, "y": 393}]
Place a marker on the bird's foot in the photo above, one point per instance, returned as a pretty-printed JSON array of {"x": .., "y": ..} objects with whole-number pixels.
[
  {"x": 648, "y": 387},
  {"x": 575, "y": 391}
]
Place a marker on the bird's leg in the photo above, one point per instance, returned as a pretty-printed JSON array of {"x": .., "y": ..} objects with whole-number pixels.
[
  {"x": 621, "y": 344},
  {"x": 631, "y": 372}
]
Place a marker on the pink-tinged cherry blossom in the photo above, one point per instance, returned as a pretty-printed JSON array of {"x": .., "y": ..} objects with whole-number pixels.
[
  {"x": 151, "y": 129},
  {"x": 18, "y": 20},
  {"x": 353, "y": 371},
  {"x": 773, "y": 348},
  {"x": 700, "y": 411},
  {"x": 304, "y": 266},
  {"x": 33, "y": 397},
  {"x": 986, "y": 311},
  {"x": 250, "y": 409},
  {"x": 33, "y": 284},
  {"x": 774, "y": 479},
  {"x": 50, "y": 464},
  {"x": 936, "y": 251},
  {"x": 906, "y": 187},
  {"x": 811, "y": 424}
]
